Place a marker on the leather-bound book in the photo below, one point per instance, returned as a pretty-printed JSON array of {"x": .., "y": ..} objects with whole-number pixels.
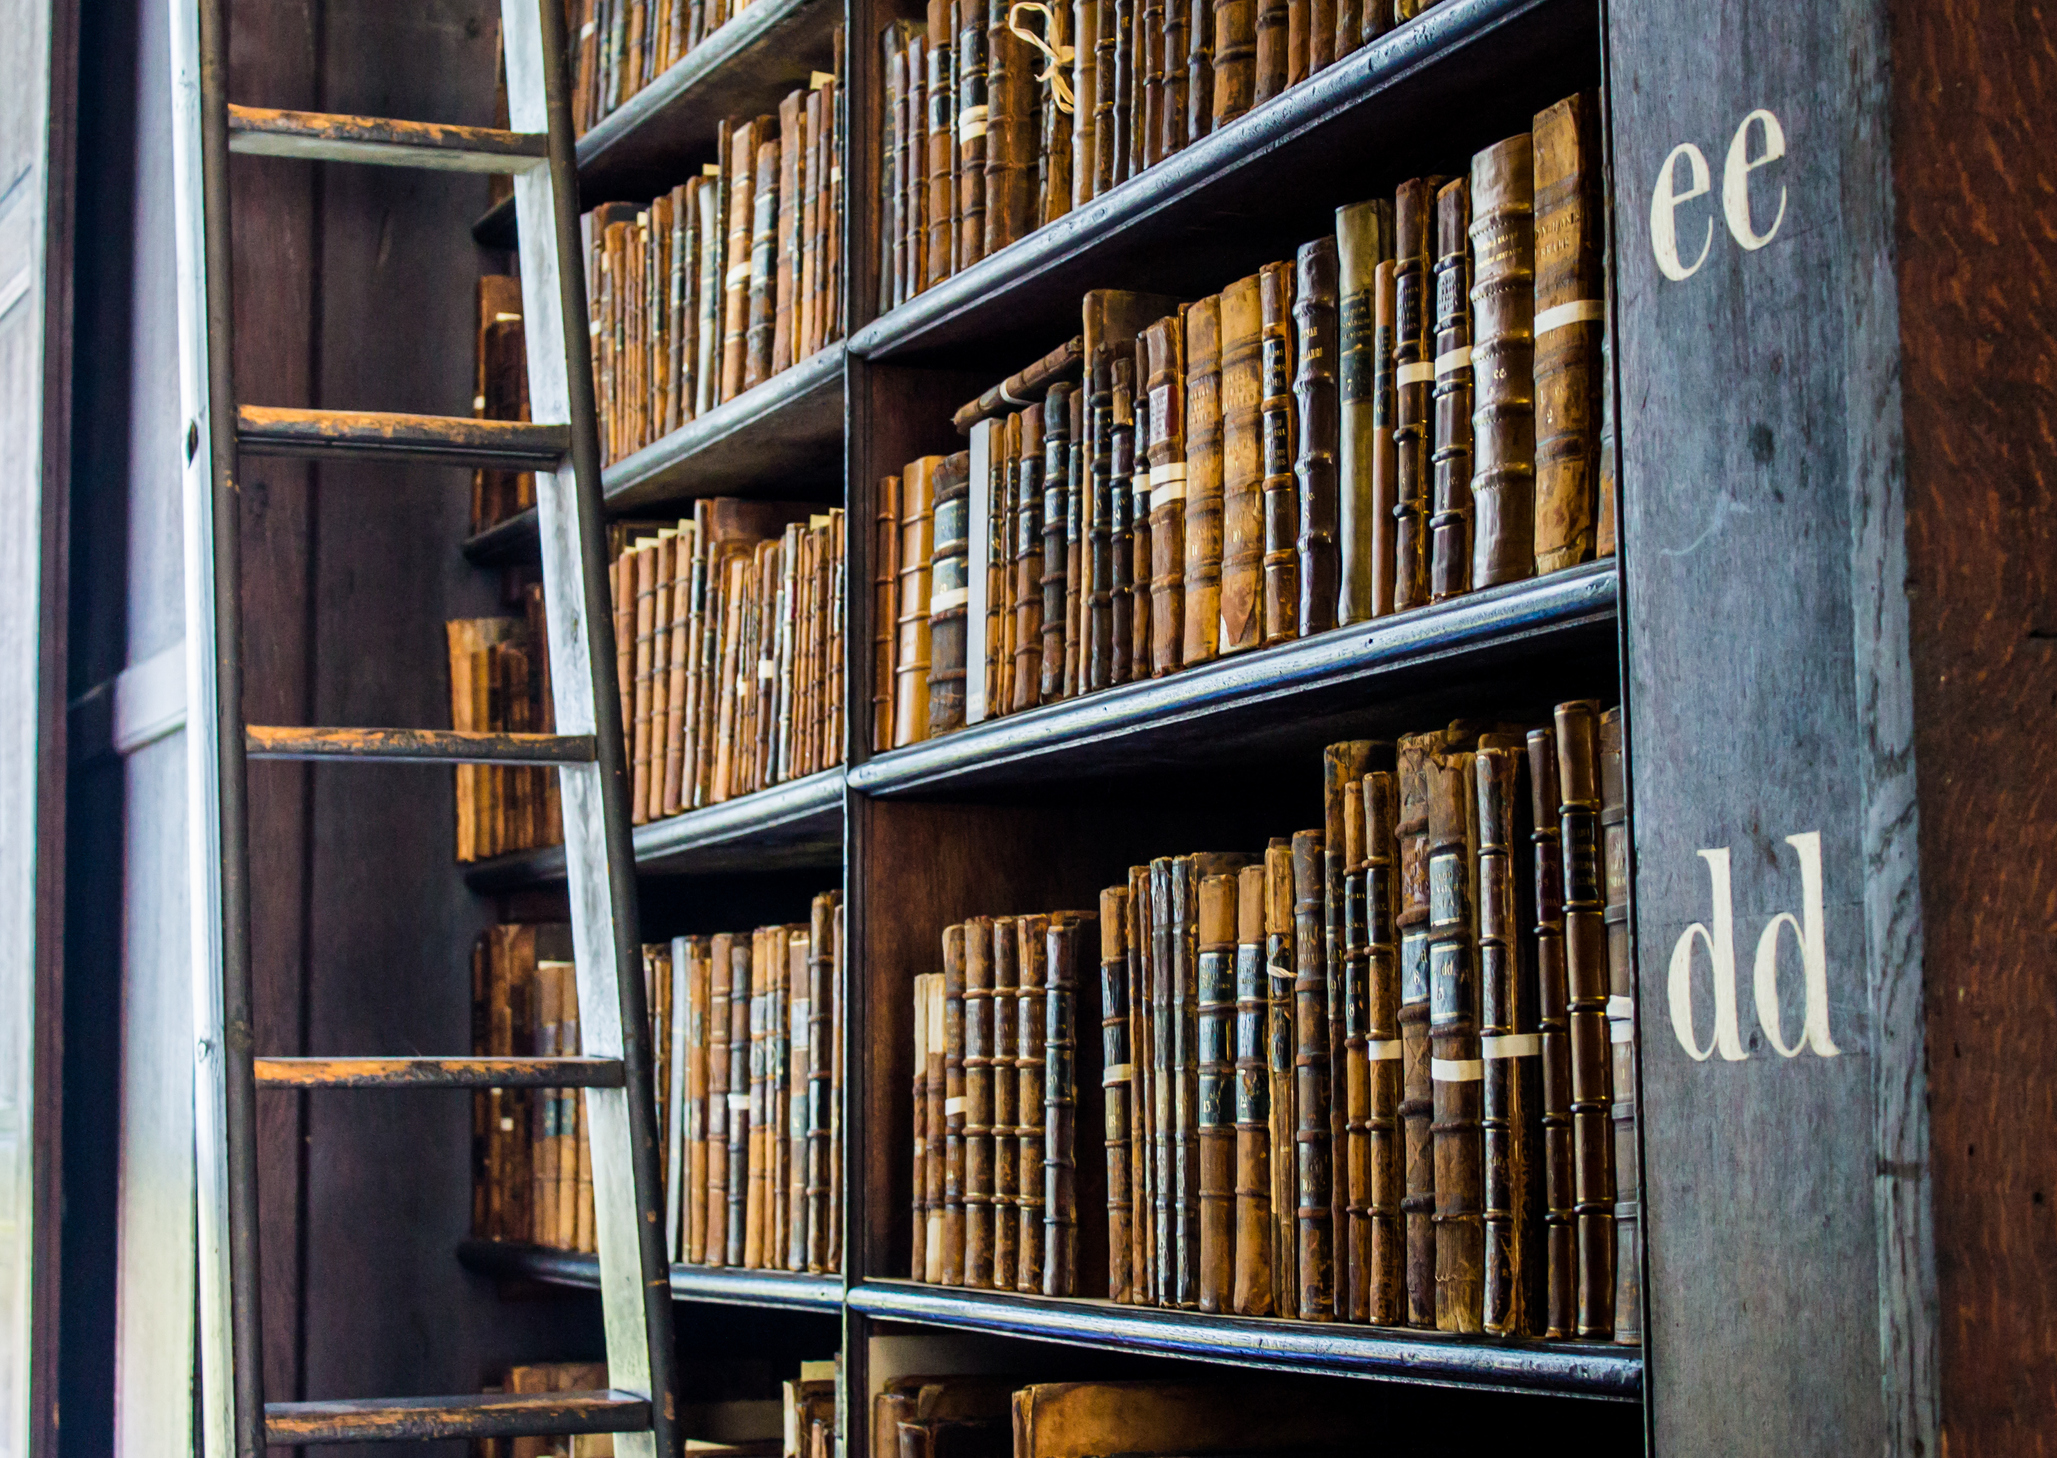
[
  {"x": 953, "y": 1105},
  {"x": 1165, "y": 342},
  {"x": 917, "y": 551},
  {"x": 1147, "y": 146},
  {"x": 973, "y": 113},
  {"x": 1451, "y": 456},
  {"x": 767, "y": 949},
  {"x": 1139, "y": 28},
  {"x": 1273, "y": 40},
  {"x": 1025, "y": 570},
  {"x": 792, "y": 142},
  {"x": 693, "y": 951},
  {"x": 794, "y": 1154},
  {"x": 1143, "y": 1121},
  {"x": 1215, "y": 1120},
  {"x": 1387, "y": 1159},
  {"x": 1364, "y": 434},
  {"x": 1510, "y": 1044},
  {"x": 1164, "y": 1080},
  {"x": 1121, "y": 527},
  {"x": 763, "y": 277},
  {"x": 1199, "y": 118},
  {"x": 1254, "y": 1225},
  {"x": 949, "y": 595},
  {"x": 1112, "y": 320},
  {"x": 744, "y": 1009},
  {"x": 918, "y": 1265},
  {"x": 978, "y": 1101},
  {"x": 1012, "y": 132},
  {"x": 1570, "y": 319},
  {"x": 714, "y": 1215},
  {"x": 940, "y": 1257},
  {"x": 1503, "y": 256},
  {"x": 1342, "y": 767},
  {"x": 910, "y": 264},
  {"x": 709, "y": 296},
  {"x": 1353, "y": 1083},
  {"x": 1006, "y": 1102},
  {"x": 1142, "y": 632},
  {"x": 1070, "y": 941},
  {"x": 1279, "y": 424},
  {"x": 1414, "y": 374},
  {"x": 1023, "y": 387},
  {"x": 1242, "y": 465},
  {"x": 1032, "y": 936},
  {"x": 1058, "y": 445},
  {"x": 1170, "y": 136},
  {"x": 821, "y": 1041},
  {"x": 1235, "y": 59},
  {"x": 940, "y": 146},
  {"x": 1279, "y": 1050},
  {"x": 1621, "y": 1029},
  {"x": 1118, "y": 1080},
  {"x": 1314, "y": 463},
  {"x": 1558, "y": 1318},
  {"x": 1313, "y": 1168},
  {"x": 648, "y": 560},
  {"x": 1586, "y": 977},
  {"x": 1200, "y": 605},
  {"x": 1454, "y": 1039},
  {"x": 1087, "y": 18},
  {"x": 1111, "y": 70},
  {"x": 1417, "y": 1102}
]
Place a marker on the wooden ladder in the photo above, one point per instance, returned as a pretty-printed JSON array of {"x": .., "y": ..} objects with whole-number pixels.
[{"x": 562, "y": 447}]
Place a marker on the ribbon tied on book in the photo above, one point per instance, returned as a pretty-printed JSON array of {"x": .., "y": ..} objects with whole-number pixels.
[{"x": 1055, "y": 58}]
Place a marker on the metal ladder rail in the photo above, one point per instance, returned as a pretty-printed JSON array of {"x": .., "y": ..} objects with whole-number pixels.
[{"x": 636, "y": 1301}]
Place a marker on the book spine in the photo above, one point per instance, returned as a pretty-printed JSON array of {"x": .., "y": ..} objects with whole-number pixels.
[
  {"x": 1168, "y": 478},
  {"x": 1299, "y": 28},
  {"x": 949, "y": 596},
  {"x": 721, "y": 981},
  {"x": 973, "y": 112},
  {"x": 1200, "y": 608},
  {"x": 838, "y": 988},
  {"x": 743, "y": 1013},
  {"x": 1142, "y": 1091},
  {"x": 1025, "y": 569},
  {"x": 919, "y": 1262},
  {"x": 1417, "y": 1102},
  {"x": 910, "y": 265},
  {"x": 821, "y": 999},
  {"x": 1169, "y": 135},
  {"x": 689, "y": 583},
  {"x": 1032, "y": 937},
  {"x": 1164, "y": 1083},
  {"x": 917, "y": 554},
  {"x": 799, "y": 1033},
  {"x": 1077, "y": 507},
  {"x": 1559, "y": 1314},
  {"x": 1088, "y": 17},
  {"x": 1586, "y": 982},
  {"x": 1456, "y": 1067},
  {"x": 1006, "y": 1102},
  {"x": 1097, "y": 627},
  {"x": 1118, "y": 1082},
  {"x": 885, "y": 612},
  {"x": 1012, "y": 135},
  {"x": 1621, "y": 1029},
  {"x": 1129, "y": 104},
  {"x": 694, "y": 1124},
  {"x": 1058, "y": 446},
  {"x": 763, "y": 298},
  {"x": 1215, "y": 1115},
  {"x": 708, "y": 294},
  {"x": 1253, "y": 1217},
  {"x": 939, "y": 1255},
  {"x": 1510, "y": 1046},
  {"x": 1388, "y": 1281},
  {"x": 1364, "y": 234},
  {"x": 1313, "y": 1165},
  {"x": 1413, "y": 380},
  {"x": 1569, "y": 322},
  {"x": 807, "y": 288},
  {"x": 1134, "y": 548},
  {"x": 1185, "y": 1080},
  {"x": 1348, "y": 30},
  {"x": 1235, "y": 59},
  {"x": 1281, "y": 429},
  {"x": 1052, "y": 198},
  {"x": 978, "y": 1102},
  {"x": 1353, "y": 1159},
  {"x": 1279, "y": 1052},
  {"x": 1271, "y": 44},
  {"x": 1342, "y": 767},
  {"x": 1450, "y": 528},
  {"x": 1110, "y": 80},
  {"x": 1117, "y": 663},
  {"x": 1003, "y": 505},
  {"x": 953, "y": 1106},
  {"x": 792, "y": 142},
  {"x": 941, "y": 151},
  {"x": 766, "y": 949},
  {"x": 1503, "y": 249},
  {"x": 1199, "y": 118},
  {"x": 1314, "y": 466},
  {"x": 1068, "y": 936}
]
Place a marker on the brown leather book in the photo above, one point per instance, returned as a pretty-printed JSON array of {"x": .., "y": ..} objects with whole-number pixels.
[
  {"x": 973, "y": 120},
  {"x": 763, "y": 277},
  {"x": 641, "y": 565},
  {"x": 1587, "y": 976},
  {"x": 720, "y": 983},
  {"x": 1280, "y": 425},
  {"x": 1114, "y": 70},
  {"x": 949, "y": 595},
  {"x": 767, "y": 961},
  {"x": 894, "y": 126},
  {"x": 822, "y": 978},
  {"x": 918, "y": 1266},
  {"x": 1143, "y": 1083},
  {"x": 1025, "y": 570},
  {"x": 739, "y": 171},
  {"x": 1088, "y": 19},
  {"x": 1273, "y": 41},
  {"x": 939, "y": 1255},
  {"x": 941, "y": 149},
  {"x": 785, "y": 291},
  {"x": 709, "y": 296},
  {"x": 1012, "y": 132},
  {"x": 1023, "y": 387},
  {"x": 1413, "y": 377},
  {"x": 1621, "y": 1029},
  {"x": 1165, "y": 342},
  {"x": 1417, "y": 1102},
  {"x": 1558, "y": 1318},
  {"x": 744, "y": 1091},
  {"x": 1059, "y": 445},
  {"x": 1052, "y": 191},
  {"x": 978, "y": 1101},
  {"x": 1570, "y": 319},
  {"x": 1032, "y": 936},
  {"x": 1199, "y": 118},
  {"x": 695, "y": 1121},
  {"x": 1160, "y": 921},
  {"x": 1387, "y": 1157},
  {"x": 1003, "y": 508},
  {"x": 1118, "y": 1082},
  {"x": 1201, "y": 528},
  {"x": 1450, "y": 527},
  {"x": 1110, "y": 567},
  {"x": 1145, "y": 22},
  {"x": 1215, "y": 1119},
  {"x": 1314, "y": 463},
  {"x": 813, "y": 180},
  {"x": 1322, "y": 23},
  {"x": 1069, "y": 941},
  {"x": 1350, "y": 22},
  {"x": 1364, "y": 435},
  {"x": 911, "y": 264},
  {"x": 1254, "y": 1225},
  {"x": 1242, "y": 466},
  {"x": 953, "y": 1105},
  {"x": 917, "y": 548},
  {"x": 1510, "y": 1043},
  {"x": 1279, "y": 1050},
  {"x": 1454, "y": 1038},
  {"x": 1342, "y": 767},
  {"x": 1313, "y": 1166},
  {"x": 688, "y": 600},
  {"x": 1503, "y": 248},
  {"x": 1132, "y": 576},
  {"x": 1006, "y": 1102},
  {"x": 1353, "y": 1086},
  {"x": 1235, "y": 59},
  {"x": 885, "y": 613}
]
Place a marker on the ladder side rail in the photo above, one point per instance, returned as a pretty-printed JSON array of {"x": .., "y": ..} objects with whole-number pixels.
[{"x": 599, "y": 854}]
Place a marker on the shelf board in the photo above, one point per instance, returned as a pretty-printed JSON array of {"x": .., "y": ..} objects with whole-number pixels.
[
  {"x": 659, "y": 136},
  {"x": 789, "y": 826},
  {"x": 768, "y": 441},
  {"x": 1587, "y": 1369},
  {"x": 1268, "y": 181},
  {"x": 1289, "y": 694},
  {"x": 781, "y": 1290}
]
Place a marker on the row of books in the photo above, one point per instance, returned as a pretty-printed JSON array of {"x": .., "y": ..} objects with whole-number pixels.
[
  {"x": 920, "y": 1416},
  {"x": 624, "y": 45},
  {"x": 728, "y": 631},
  {"x": 1200, "y": 479},
  {"x": 993, "y": 126},
  {"x": 501, "y": 393},
  {"x": 1381, "y": 1071},
  {"x": 799, "y": 1423},
  {"x": 723, "y": 282},
  {"x": 500, "y": 682}
]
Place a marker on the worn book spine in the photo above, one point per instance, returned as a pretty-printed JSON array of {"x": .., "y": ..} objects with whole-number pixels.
[
  {"x": 792, "y": 143},
  {"x": 1313, "y": 1167},
  {"x": 1006, "y": 1102},
  {"x": 1013, "y": 132},
  {"x": 1314, "y": 464},
  {"x": 1503, "y": 262},
  {"x": 1058, "y": 446},
  {"x": 953, "y": 1105},
  {"x": 1353, "y": 1156},
  {"x": 1279, "y": 1050},
  {"x": 1077, "y": 499},
  {"x": 978, "y": 1102},
  {"x": 1199, "y": 118},
  {"x": 1068, "y": 940},
  {"x": 821, "y": 1037},
  {"x": 939, "y": 1255},
  {"x": 1136, "y": 520},
  {"x": 694, "y": 1123},
  {"x": 1110, "y": 86},
  {"x": 1570, "y": 318},
  {"x": 714, "y": 1200},
  {"x": 1118, "y": 665},
  {"x": 1364, "y": 438},
  {"x": 1300, "y": 27},
  {"x": 1510, "y": 1045},
  {"x": 1235, "y": 59},
  {"x": 1342, "y": 767},
  {"x": 1586, "y": 984},
  {"x": 798, "y": 1036},
  {"x": 1253, "y": 1228},
  {"x": 768, "y": 962},
  {"x": 1280, "y": 428},
  {"x": 1165, "y": 342},
  {"x": 739, "y": 170},
  {"x": 941, "y": 145},
  {"x": 1215, "y": 1120},
  {"x": 973, "y": 112},
  {"x": 1621, "y": 1029},
  {"x": 918, "y": 1264},
  {"x": 1142, "y": 1091},
  {"x": 709, "y": 295},
  {"x": 917, "y": 555},
  {"x": 646, "y": 561},
  {"x": 1088, "y": 16},
  {"x": 1200, "y": 606},
  {"x": 885, "y": 614},
  {"x": 1003, "y": 507},
  {"x": 1182, "y": 973},
  {"x": 910, "y": 264},
  {"x": 1456, "y": 1067},
  {"x": 1558, "y": 1318},
  {"x": 1164, "y": 1128},
  {"x": 1032, "y": 934},
  {"x": 744, "y": 1009},
  {"x": 1242, "y": 465},
  {"x": 1117, "y": 1079},
  {"x": 1170, "y": 133},
  {"x": 1417, "y": 1102},
  {"x": 1450, "y": 525},
  {"x": 1414, "y": 374},
  {"x": 763, "y": 278},
  {"x": 1383, "y": 1049},
  {"x": 1025, "y": 569},
  {"x": 1272, "y": 42}
]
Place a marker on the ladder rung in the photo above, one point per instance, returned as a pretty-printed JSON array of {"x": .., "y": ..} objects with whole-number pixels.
[
  {"x": 439, "y": 1072},
  {"x": 486, "y": 1415},
  {"x": 421, "y": 746},
  {"x": 326, "y": 137},
  {"x": 452, "y": 440}
]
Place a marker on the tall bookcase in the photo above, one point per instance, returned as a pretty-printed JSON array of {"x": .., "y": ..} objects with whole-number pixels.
[{"x": 1787, "y": 420}]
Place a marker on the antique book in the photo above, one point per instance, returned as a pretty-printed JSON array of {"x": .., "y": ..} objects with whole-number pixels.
[
  {"x": 824, "y": 977},
  {"x": 720, "y": 983},
  {"x": 767, "y": 961},
  {"x": 1353, "y": 1084},
  {"x": 1279, "y": 1052},
  {"x": 940, "y": 1258},
  {"x": 1253, "y": 1229},
  {"x": 1417, "y": 1084},
  {"x": 652, "y": 559},
  {"x": 1414, "y": 374},
  {"x": 1235, "y": 59},
  {"x": 1011, "y": 133},
  {"x": 1143, "y": 1120},
  {"x": 1199, "y": 117},
  {"x": 1587, "y": 978},
  {"x": 1279, "y": 424},
  {"x": 1114, "y": 71},
  {"x": 1621, "y": 1028},
  {"x": 1069, "y": 943},
  {"x": 1118, "y": 1081},
  {"x": 1364, "y": 436},
  {"x": 919, "y": 1264},
  {"x": 1314, "y": 462},
  {"x": 739, "y": 169},
  {"x": 1242, "y": 466},
  {"x": 1558, "y": 1318},
  {"x": 917, "y": 547},
  {"x": 1570, "y": 318},
  {"x": 1313, "y": 1168},
  {"x": 953, "y": 1105},
  {"x": 1510, "y": 1044},
  {"x": 1161, "y": 980},
  {"x": 1006, "y": 943},
  {"x": 1112, "y": 320},
  {"x": 1110, "y": 565},
  {"x": 1503, "y": 261},
  {"x": 1605, "y": 525},
  {"x": 941, "y": 146},
  {"x": 1165, "y": 342},
  {"x": 1455, "y": 1066},
  {"x": 745, "y": 1089},
  {"x": 1214, "y": 1116},
  {"x": 1025, "y": 569},
  {"x": 1132, "y": 524},
  {"x": 792, "y": 142},
  {"x": 1387, "y": 1158},
  {"x": 709, "y": 295},
  {"x": 973, "y": 113},
  {"x": 1058, "y": 447},
  {"x": 1088, "y": 17},
  {"x": 1310, "y": 38},
  {"x": 895, "y": 125},
  {"x": 1342, "y": 767},
  {"x": 1168, "y": 130},
  {"x": 1450, "y": 525},
  {"x": 1054, "y": 112},
  {"x": 692, "y": 954},
  {"x": 1023, "y": 387},
  {"x": 1272, "y": 41},
  {"x": 1200, "y": 607},
  {"x": 911, "y": 263},
  {"x": 950, "y": 595},
  {"x": 978, "y": 1101},
  {"x": 1032, "y": 937}
]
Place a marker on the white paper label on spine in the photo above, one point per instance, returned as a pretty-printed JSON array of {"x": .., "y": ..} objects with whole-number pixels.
[
  {"x": 1383, "y": 1050},
  {"x": 738, "y": 274},
  {"x": 1414, "y": 374},
  {"x": 1166, "y": 494},
  {"x": 740, "y": 1101},
  {"x": 803, "y": 1036},
  {"x": 971, "y": 123},
  {"x": 1456, "y": 1070},
  {"x": 1119, "y": 1073},
  {"x": 1511, "y": 1045},
  {"x": 953, "y": 1106},
  {"x": 1579, "y": 311},
  {"x": 1457, "y": 359},
  {"x": 955, "y": 597},
  {"x": 1623, "y": 1031},
  {"x": 767, "y": 669},
  {"x": 1621, "y": 1008}
]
